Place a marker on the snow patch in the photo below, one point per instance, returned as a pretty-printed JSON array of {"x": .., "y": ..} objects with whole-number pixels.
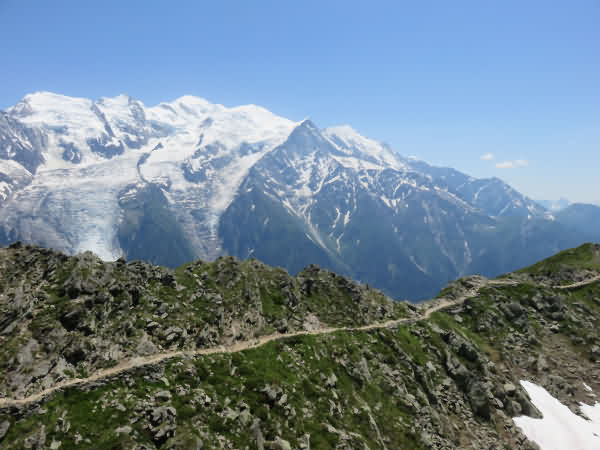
[
  {"x": 337, "y": 217},
  {"x": 421, "y": 268},
  {"x": 560, "y": 428},
  {"x": 386, "y": 201},
  {"x": 346, "y": 218}
]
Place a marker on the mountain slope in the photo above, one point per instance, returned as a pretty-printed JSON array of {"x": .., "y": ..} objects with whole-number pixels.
[
  {"x": 444, "y": 376},
  {"x": 555, "y": 205},
  {"x": 345, "y": 207},
  {"x": 582, "y": 217},
  {"x": 191, "y": 179}
]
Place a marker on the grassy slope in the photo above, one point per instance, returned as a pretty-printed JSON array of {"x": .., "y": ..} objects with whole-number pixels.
[{"x": 387, "y": 382}]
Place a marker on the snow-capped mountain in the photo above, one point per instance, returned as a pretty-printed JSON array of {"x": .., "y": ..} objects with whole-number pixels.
[
  {"x": 191, "y": 179},
  {"x": 83, "y": 160}
]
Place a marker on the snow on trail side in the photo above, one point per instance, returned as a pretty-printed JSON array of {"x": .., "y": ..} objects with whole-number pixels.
[{"x": 560, "y": 428}]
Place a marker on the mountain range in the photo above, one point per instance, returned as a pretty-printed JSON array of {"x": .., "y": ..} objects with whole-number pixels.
[{"x": 191, "y": 179}]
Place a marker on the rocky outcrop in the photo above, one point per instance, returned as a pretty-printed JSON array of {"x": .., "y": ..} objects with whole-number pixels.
[
  {"x": 445, "y": 380},
  {"x": 64, "y": 317}
]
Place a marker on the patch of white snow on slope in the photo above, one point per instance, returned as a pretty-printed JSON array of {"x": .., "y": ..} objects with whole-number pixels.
[
  {"x": 421, "y": 268},
  {"x": 346, "y": 218},
  {"x": 230, "y": 180},
  {"x": 560, "y": 428}
]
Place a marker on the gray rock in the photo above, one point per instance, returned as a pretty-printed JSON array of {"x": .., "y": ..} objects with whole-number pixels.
[
  {"x": 363, "y": 368},
  {"x": 152, "y": 325},
  {"x": 458, "y": 372},
  {"x": 516, "y": 309},
  {"x": 526, "y": 406},
  {"x": 542, "y": 364},
  {"x": 174, "y": 330},
  {"x": 514, "y": 408},
  {"x": 230, "y": 414},
  {"x": 4, "y": 426},
  {"x": 304, "y": 442},
  {"x": 257, "y": 434},
  {"x": 479, "y": 398},
  {"x": 283, "y": 400},
  {"x": 272, "y": 392},
  {"x": 124, "y": 430},
  {"x": 146, "y": 346},
  {"x": 245, "y": 417},
  {"x": 331, "y": 381},
  {"x": 164, "y": 432},
  {"x": 36, "y": 440},
  {"x": 162, "y": 396},
  {"x": 161, "y": 414},
  {"x": 427, "y": 439},
  {"x": 510, "y": 389},
  {"x": 430, "y": 367},
  {"x": 280, "y": 444}
]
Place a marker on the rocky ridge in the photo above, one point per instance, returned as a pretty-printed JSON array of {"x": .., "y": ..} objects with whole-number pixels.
[{"x": 447, "y": 379}]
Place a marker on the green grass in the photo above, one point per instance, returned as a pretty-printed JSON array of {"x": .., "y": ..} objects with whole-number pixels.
[
  {"x": 297, "y": 366},
  {"x": 81, "y": 410},
  {"x": 586, "y": 256}
]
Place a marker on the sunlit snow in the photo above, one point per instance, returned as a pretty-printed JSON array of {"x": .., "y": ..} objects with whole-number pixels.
[
  {"x": 560, "y": 428},
  {"x": 349, "y": 141}
]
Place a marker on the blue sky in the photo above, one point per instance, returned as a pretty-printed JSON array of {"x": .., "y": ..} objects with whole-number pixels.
[{"x": 447, "y": 82}]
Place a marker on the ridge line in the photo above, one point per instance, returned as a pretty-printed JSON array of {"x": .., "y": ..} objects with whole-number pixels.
[{"x": 141, "y": 361}]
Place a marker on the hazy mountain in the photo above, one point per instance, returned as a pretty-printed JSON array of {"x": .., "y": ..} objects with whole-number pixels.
[
  {"x": 582, "y": 217},
  {"x": 554, "y": 205}
]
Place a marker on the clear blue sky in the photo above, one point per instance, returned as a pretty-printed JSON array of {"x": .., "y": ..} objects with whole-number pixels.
[{"x": 444, "y": 81}]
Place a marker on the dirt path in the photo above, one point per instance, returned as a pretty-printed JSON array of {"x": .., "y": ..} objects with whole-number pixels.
[
  {"x": 432, "y": 306},
  {"x": 579, "y": 283}
]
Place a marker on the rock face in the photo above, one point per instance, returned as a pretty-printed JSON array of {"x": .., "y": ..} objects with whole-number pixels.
[
  {"x": 198, "y": 180},
  {"x": 443, "y": 380}
]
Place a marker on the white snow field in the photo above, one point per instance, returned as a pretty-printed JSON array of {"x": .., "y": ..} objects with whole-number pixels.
[{"x": 560, "y": 428}]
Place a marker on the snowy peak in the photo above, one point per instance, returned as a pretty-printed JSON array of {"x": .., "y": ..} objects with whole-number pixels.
[
  {"x": 305, "y": 139},
  {"x": 47, "y": 103},
  {"x": 113, "y": 174},
  {"x": 191, "y": 118},
  {"x": 190, "y": 107},
  {"x": 351, "y": 143},
  {"x": 306, "y": 128},
  {"x": 123, "y": 109}
]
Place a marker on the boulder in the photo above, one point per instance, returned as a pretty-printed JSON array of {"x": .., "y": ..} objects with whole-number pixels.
[
  {"x": 510, "y": 389},
  {"x": 4, "y": 426},
  {"x": 163, "y": 396},
  {"x": 280, "y": 444},
  {"x": 479, "y": 398}
]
